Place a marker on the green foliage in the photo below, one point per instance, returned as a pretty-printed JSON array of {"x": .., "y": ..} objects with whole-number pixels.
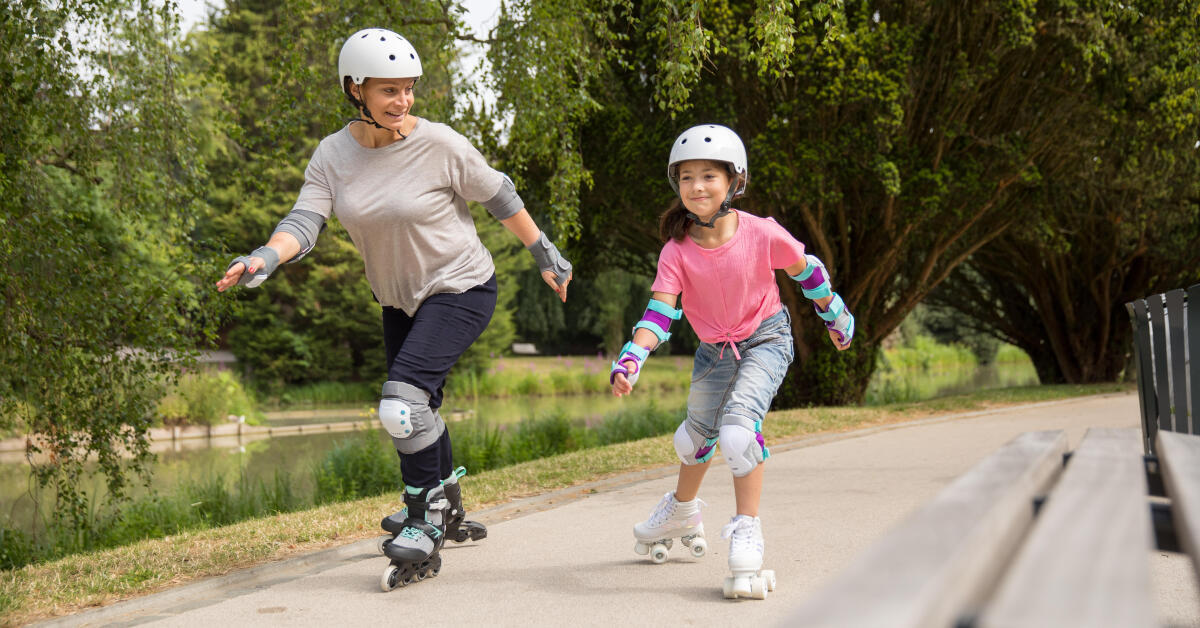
[
  {"x": 207, "y": 398},
  {"x": 1119, "y": 216},
  {"x": 361, "y": 466},
  {"x": 207, "y": 502},
  {"x": 895, "y": 140},
  {"x": 100, "y": 184}
]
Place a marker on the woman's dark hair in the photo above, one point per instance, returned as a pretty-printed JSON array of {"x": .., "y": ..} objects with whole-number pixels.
[{"x": 673, "y": 223}]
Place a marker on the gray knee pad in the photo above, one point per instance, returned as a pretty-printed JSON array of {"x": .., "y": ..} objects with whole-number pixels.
[
  {"x": 405, "y": 413},
  {"x": 742, "y": 445},
  {"x": 692, "y": 446}
]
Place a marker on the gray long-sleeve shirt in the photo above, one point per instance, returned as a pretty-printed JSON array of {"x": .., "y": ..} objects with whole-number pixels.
[{"x": 405, "y": 208}]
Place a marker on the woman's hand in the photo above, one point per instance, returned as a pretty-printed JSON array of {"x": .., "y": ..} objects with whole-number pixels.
[
  {"x": 551, "y": 280},
  {"x": 234, "y": 273}
]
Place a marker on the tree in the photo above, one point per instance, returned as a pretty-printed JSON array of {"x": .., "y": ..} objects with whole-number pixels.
[
  {"x": 894, "y": 139},
  {"x": 1121, "y": 223},
  {"x": 98, "y": 180}
]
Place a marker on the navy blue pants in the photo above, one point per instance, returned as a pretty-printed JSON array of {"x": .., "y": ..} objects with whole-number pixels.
[{"x": 421, "y": 350}]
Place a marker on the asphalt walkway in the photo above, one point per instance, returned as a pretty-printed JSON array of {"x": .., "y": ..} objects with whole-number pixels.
[{"x": 567, "y": 558}]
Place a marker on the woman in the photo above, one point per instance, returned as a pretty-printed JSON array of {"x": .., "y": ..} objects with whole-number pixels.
[{"x": 400, "y": 184}]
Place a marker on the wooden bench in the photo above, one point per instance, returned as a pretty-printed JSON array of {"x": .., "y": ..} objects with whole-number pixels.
[
  {"x": 1031, "y": 536},
  {"x": 1163, "y": 344}
]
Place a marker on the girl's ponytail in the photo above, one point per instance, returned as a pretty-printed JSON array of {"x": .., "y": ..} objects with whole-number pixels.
[{"x": 673, "y": 223}]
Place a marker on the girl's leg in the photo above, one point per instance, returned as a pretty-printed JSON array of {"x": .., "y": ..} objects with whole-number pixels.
[
  {"x": 690, "y": 478},
  {"x": 747, "y": 490}
]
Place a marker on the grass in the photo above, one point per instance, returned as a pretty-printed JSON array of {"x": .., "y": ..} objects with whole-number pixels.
[{"x": 76, "y": 583}]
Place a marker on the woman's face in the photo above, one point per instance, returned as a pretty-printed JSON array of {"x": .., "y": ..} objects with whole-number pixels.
[
  {"x": 388, "y": 100},
  {"x": 703, "y": 186}
]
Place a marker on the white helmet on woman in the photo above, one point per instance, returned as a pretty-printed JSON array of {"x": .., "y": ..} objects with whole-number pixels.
[
  {"x": 714, "y": 143},
  {"x": 378, "y": 53}
]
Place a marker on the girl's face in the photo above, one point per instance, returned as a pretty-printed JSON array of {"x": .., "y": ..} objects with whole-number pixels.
[
  {"x": 703, "y": 186},
  {"x": 388, "y": 100}
]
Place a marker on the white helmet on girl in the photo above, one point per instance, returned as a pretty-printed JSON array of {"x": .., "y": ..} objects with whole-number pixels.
[
  {"x": 378, "y": 53},
  {"x": 714, "y": 143}
]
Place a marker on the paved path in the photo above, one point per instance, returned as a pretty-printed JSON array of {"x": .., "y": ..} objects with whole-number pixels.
[{"x": 567, "y": 558}]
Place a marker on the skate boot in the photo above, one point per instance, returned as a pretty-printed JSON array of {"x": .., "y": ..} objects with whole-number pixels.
[
  {"x": 670, "y": 519},
  {"x": 414, "y": 552},
  {"x": 745, "y": 559},
  {"x": 457, "y": 529}
]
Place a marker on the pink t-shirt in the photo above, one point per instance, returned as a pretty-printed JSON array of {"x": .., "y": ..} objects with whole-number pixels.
[{"x": 728, "y": 291}]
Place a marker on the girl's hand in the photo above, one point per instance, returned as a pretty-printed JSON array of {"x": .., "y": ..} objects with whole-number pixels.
[
  {"x": 234, "y": 273},
  {"x": 621, "y": 386},
  {"x": 836, "y": 338},
  {"x": 552, "y": 280}
]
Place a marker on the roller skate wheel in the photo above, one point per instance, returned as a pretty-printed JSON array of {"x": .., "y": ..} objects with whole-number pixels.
[
  {"x": 769, "y": 576},
  {"x": 699, "y": 547},
  {"x": 758, "y": 587},
  {"x": 390, "y": 579},
  {"x": 741, "y": 586},
  {"x": 727, "y": 588},
  {"x": 381, "y": 541},
  {"x": 641, "y": 549},
  {"x": 659, "y": 553}
]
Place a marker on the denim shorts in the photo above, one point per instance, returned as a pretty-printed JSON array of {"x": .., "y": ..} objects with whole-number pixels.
[{"x": 728, "y": 390}]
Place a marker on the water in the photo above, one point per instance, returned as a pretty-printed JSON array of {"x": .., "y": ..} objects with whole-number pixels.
[{"x": 296, "y": 455}]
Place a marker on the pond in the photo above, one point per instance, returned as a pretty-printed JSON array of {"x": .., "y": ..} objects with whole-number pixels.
[{"x": 297, "y": 455}]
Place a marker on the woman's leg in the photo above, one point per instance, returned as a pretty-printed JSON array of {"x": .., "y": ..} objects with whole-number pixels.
[{"x": 421, "y": 350}]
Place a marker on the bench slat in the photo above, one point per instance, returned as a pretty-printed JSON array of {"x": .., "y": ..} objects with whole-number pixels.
[
  {"x": 1178, "y": 395},
  {"x": 1087, "y": 559},
  {"x": 1145, "y": 371},
  {"x": 945, "y": 556},
  {"x": 1193, "y": 320},
  {"x": 1179, "y": 456},
  {"x": 1162, "y": 378}
]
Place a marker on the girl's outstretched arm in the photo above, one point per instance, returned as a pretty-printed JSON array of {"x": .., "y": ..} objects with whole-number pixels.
[
  {"x": 645, "y": 339},
  {"x": 841, "y": 326}
]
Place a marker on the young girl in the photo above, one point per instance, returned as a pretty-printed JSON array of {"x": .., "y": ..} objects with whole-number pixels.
[
  {"x": 723, "y": 262},
  {"x": 399, "y": 184}
]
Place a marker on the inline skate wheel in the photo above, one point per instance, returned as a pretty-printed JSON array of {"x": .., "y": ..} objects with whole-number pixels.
[
  {"x": 641, "y": 549},
  {"x": 659, "y": 553},
  {"x": 383, "y": 540},
  {"x": 699, "y": 547},
  {"x": 390, "y": 579}
]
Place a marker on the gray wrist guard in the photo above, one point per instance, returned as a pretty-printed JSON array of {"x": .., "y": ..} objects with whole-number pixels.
[
  {"x": 547, "y": 257},
  {"x": 270, "y": 263}
]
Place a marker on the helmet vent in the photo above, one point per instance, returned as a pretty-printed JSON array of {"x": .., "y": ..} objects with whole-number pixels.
[
  {"x": 684, "y": 141},
  {"x": 412, "y": 56},
  {"x": 383, "y": 39},
  {"x": 391, "y": 57},
  {"x": 708, "y": 139}
]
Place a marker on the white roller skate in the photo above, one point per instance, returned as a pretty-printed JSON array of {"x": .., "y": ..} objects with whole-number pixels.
[
  {"x": 671, "y": 519},
  {"x": 745, "y": 559}
]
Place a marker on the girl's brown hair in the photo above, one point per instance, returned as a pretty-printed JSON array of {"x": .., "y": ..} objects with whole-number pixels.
[{"x": 673, "y": 223}]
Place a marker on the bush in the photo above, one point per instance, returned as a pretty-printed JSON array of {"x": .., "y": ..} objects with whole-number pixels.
[{"x": 207, "y": 398}]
